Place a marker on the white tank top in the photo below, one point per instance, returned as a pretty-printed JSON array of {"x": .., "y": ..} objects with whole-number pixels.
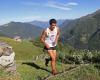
[{"x": 51, "y": 36}]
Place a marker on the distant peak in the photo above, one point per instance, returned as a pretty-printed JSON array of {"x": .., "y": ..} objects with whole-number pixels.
[
  {"x": 98, "y": 10},
  {"x": 12, "y": 22}
]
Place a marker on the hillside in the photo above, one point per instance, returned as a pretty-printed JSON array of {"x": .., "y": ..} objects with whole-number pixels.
[
  {"x": 24, "y": 50},
  {"x": 27, "y": 68},
  {"x": 25, "y": 30},
  {"x": 3, "y": 35},
  {"x": 79, "y": 32},
  {"x": 85, "y": 72},
  {"x": 30, "y": 69}
]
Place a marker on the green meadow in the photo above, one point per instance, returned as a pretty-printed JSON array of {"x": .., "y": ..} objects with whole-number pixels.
[{"x": 28, "y": 69}]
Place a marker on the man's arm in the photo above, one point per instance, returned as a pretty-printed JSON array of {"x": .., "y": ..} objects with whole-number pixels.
[
  {"x": 42, "y": 38},
  {"x": 58, "y": 35}
]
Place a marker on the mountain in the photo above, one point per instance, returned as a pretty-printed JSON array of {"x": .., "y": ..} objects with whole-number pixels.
[
  {"x": 24, "y": 30},
  {"x": 2, "y": 35},
  {"x": 44, "y": 24},
  {"x": 80, "y": 32}
]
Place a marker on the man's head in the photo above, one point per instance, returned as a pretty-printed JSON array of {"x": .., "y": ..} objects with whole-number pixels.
[{"x": 52, "y": 23}]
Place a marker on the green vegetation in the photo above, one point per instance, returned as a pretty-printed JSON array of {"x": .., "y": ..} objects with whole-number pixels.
[
  {"x": 27, "y": 69},
  {"x": 86, "y": 72},
  {"x": 24, "y": 50},
  {"x": 84, "y": 32}
]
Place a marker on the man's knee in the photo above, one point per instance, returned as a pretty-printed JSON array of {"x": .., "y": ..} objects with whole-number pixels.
[{"x": 53, "y": 59}]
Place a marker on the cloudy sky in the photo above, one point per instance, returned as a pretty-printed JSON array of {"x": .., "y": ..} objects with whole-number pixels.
[{"x": 29, "y": 10}]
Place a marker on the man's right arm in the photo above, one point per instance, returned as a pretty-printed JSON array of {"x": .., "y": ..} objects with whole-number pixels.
[{"x": 43, "y": 35}]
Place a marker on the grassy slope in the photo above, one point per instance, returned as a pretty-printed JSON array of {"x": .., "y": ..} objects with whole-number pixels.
[
  {"x": 37, "y": 71},
  {"x": 88, "y": 72},
  {"x": 24, "y": 50},
  {"x": 29, "y": 71}
]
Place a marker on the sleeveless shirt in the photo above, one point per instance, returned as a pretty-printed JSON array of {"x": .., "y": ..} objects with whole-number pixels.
[{"x": 51, "y": 36}]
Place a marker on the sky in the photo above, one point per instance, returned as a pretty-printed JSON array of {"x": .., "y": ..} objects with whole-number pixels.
[{"x": 43, "y": 10}]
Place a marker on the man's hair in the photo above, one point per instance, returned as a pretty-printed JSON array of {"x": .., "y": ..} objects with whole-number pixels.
[{"x": 52, "y": 21}]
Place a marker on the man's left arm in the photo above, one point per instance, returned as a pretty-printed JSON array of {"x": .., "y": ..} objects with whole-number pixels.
[{"x": 58, "y": 35}]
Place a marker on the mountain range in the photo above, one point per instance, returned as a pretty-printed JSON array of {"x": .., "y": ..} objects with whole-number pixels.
[
  {"x": 24, "y": 30},
  {"x": 45, "y": 24},
  {"x": 84, "y": 32},
  {"x": 81, "y": 33}
]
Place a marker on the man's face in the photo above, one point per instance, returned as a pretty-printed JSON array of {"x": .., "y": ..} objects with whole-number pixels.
[{"x": 53, "y": 25}]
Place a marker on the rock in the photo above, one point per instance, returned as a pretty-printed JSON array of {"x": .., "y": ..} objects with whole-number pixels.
[
  {"x": 1, "y": 52},
  {"x": 11, "y": 68},
  {"x": 7, "y": 57}
]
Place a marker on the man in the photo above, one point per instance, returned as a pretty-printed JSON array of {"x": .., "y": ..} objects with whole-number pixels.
[{"x": 50, "y": 38}]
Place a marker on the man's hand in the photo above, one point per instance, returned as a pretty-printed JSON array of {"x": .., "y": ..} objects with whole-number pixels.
[
  {"x": 47, "y": 46},
  {"x": 55, "y": 42}
]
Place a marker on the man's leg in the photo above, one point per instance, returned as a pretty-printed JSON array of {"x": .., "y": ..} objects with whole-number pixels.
[
  {"x": 53, "y": 60},
  {"x": 55, "y": 54},
  {"x": 47, "y": 60}
]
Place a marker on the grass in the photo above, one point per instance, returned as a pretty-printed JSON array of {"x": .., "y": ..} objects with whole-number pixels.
[
  {"x": 88, "y": 72},
  {"x": 37, "y": 70},
  {"x": 8, "y": 76},
  {"x": 25, "y": 50},
  {"x": 27, "y": 70}
]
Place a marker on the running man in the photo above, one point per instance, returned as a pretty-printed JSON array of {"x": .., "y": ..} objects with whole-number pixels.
[{"x": 50, "y": 38}]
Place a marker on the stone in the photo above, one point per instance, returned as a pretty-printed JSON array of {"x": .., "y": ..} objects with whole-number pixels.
[{"x": 7, "y": 56}]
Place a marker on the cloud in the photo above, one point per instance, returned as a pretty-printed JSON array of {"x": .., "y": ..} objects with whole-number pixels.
[
  {"x": 53, "y": 4},
  {"x": 72, "y": 4},
  {"x": 62, "y": 6},
  {"x": 58, "y": 5}
]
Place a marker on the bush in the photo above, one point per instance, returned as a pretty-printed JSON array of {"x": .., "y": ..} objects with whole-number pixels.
[
  {"x": 96, "y": 57},
  {"x": 79, "y": 56}
]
